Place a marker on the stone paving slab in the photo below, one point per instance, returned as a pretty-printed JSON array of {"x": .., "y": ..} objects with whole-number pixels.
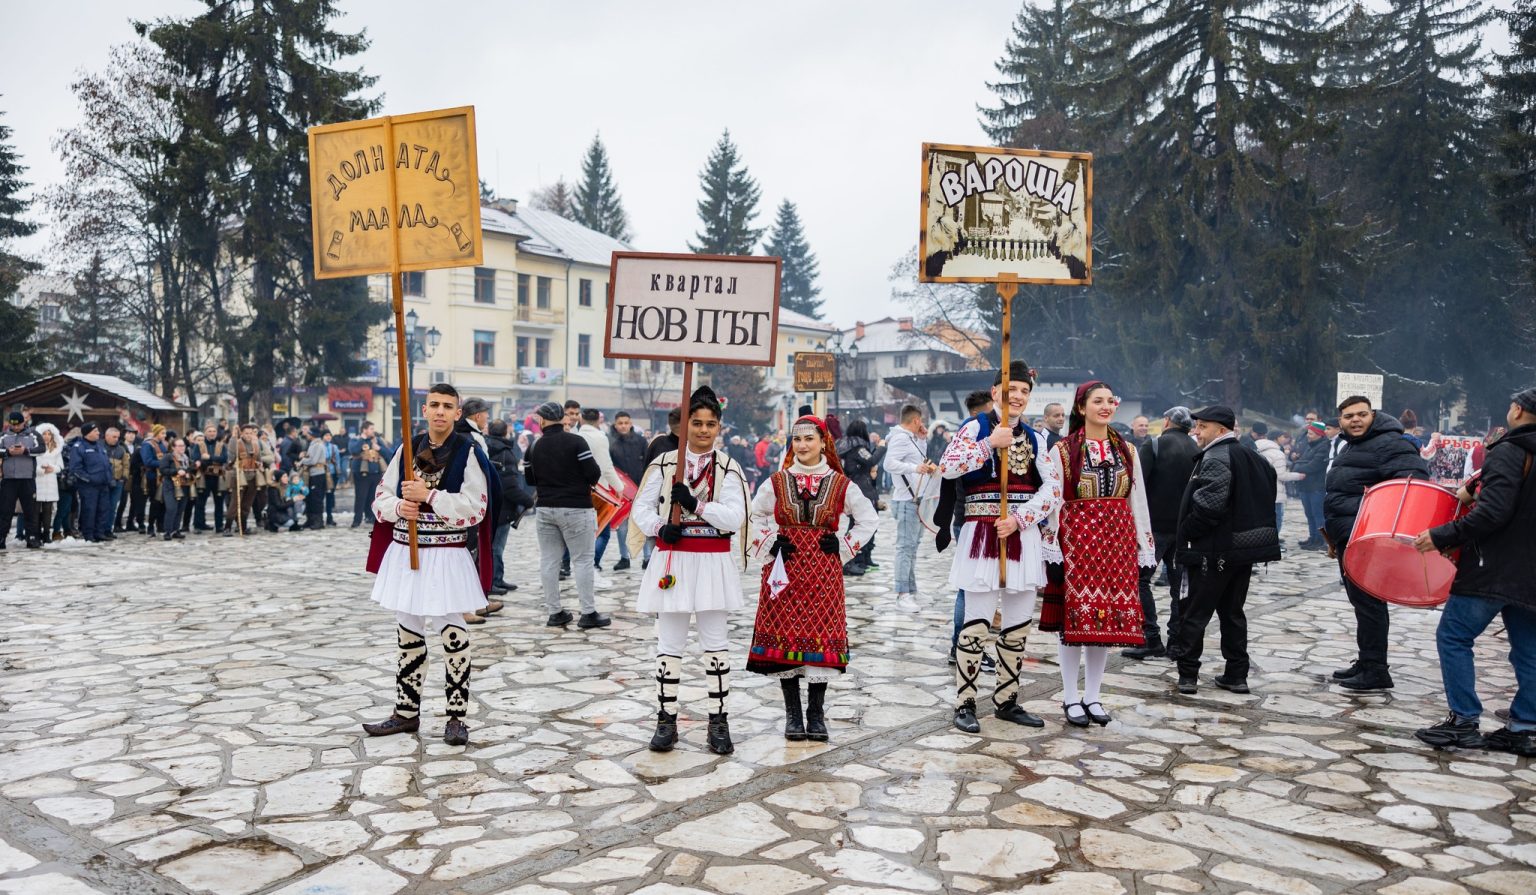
[{"x": 183, "y": 718}]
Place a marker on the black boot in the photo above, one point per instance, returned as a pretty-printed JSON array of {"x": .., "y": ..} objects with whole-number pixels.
[
  {"x": 1372, "y": 676},
  {"x": 669, "y": 670},
  {"x": 719, "y": 736},
  {"x": 965, "y": 717},
  {"x": 1351, "y": 671},
  {"x": 794, "y": 720},
  {"x": 665, "y": 736},
  {"x": 815, "y": 718}
]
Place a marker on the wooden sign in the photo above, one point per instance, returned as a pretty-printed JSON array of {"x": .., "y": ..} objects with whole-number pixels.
[
  {"x": 993, "y": 214},
  {"x": 717, "y": 309},
  {"x": 413, "y": 174},
  {"x": 815, "y": 371}
]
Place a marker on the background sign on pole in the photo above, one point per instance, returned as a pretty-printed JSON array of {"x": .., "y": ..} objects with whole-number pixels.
[
  {"x": 1367, "y": 384},
  {"x": 815, "y": 371}
]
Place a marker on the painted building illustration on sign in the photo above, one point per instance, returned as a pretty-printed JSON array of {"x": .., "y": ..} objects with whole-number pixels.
[{"x": 995, "y": 213}]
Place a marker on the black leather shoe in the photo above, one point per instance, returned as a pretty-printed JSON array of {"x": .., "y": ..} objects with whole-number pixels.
[
  {"x": 498, "y": 591},
  {"x": 1371, "y": 677},
  {"x": 794, "y": 717},
  {"x": 1452, "y": 733},
  {"x": 665, "y": 736},
  {"x": 1152, "y": 649},
  {"x": 1188, "y": 684},
  {"x": 853, "y": 569},
  {"x": 392, "y": 725},
  {"x": 1351, "y": 671},
  {"x": 1078, "y": 719},
  {"x": 965, "y": 717},
  {"x": 1521, "y": 742},
  {"x": 593, "y": 620},
  {"x": 1014, "y": 713},
  {"x": 456, "y": 733},
  {"x": 560, "y": 619},
  {"x": 1099, "y": 717},
  {"x": 1231, "y": 686},
  {"x": 621, "y": 566},
  {"x": 718, "y": 737}
]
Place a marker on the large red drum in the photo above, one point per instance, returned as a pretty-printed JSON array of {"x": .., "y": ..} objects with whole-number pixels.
[{"x": 1381, "y": 559}]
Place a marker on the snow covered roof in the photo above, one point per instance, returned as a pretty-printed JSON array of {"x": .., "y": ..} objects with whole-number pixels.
[
  {"x": 111, "y": 385},
  {"x": 802, "y": 321},
  {"x": 889, "y": 336}
]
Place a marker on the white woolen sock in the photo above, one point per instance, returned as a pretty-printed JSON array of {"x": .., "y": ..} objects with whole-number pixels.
[
  {"x": 1094, "y": 660},
  {"x": 1069, "y": 657}
]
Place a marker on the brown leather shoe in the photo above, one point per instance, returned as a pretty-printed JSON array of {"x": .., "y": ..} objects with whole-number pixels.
[
  {"x": 456, "y": 733},
  {"x": 492, "y": 607},
  {"x": 474, "y": 618},
  {"x": 392, "y": 725}
]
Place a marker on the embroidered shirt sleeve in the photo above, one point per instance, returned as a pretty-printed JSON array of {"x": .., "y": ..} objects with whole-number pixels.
[
  {"x": 1146, "y": 547},
  {"x": 386, "y": 504},
  {"x": 1050, "y": 530},
  {"x": 467, "y": 506},
  {"x": 965, "y": 453},
  {"x": 1038, "y": 509},
  {"x": 764, "y": 528},
  {"x": 728, "y": 510},
  {"x": 647, "y": 501},
  {"x": 865, "y": 521}
]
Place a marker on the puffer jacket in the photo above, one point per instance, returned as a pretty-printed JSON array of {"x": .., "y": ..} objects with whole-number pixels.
[
  {"x": 1313, "y": 465},
  {"x": 1378, "y": 455},
  {"x": 1274, "y": 455},
  {"x": 858, "y": 458},
  {"x": 1166, "y": 465},
  {"x": 1496, "y": 537}
]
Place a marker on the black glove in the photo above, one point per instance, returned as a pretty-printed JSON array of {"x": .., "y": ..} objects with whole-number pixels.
[
  {"x": 828, "y": 544},
  {"x": 684, "y": 498},
  {"x": 942, "y": 538},
  {"x": 782, "y": 546},
  {"x": 670, "y": 534}
]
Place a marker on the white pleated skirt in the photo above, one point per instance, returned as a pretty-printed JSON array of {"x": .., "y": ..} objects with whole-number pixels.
[
  {"x": 446, "y": 583},
  {"x": 705, "y": 581},
  {"x": 981, "y": 573}
]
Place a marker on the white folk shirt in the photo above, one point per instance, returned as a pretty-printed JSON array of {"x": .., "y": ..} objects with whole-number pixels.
[{"x": 903, "y": 455}]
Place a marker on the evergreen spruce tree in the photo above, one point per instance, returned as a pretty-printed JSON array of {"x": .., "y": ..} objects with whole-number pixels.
[
  {"x": 746, "y": 392},
  {"x": 729, "y": 205},
  {"x": 1244, "y": 259},
  {"x": 259, "y": 73},
  {"x": 98, "y": 335},
  {"x": 797, "y": 286},
  {"x": 596, "y": 203},
  {"x": 555, "y": 198},
  {"x": 1513, "y": 184},
  {"x": 22, "y": 360},
  {"x": 1040, "y": 60}
]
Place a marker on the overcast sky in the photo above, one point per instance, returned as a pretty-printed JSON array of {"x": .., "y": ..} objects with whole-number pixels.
[{"x": 828, "y": 102}]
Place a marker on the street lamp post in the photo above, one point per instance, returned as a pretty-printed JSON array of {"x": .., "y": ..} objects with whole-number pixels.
[
  {"x": 839, "y": 351},
  {"x": 420, "y": 344}
]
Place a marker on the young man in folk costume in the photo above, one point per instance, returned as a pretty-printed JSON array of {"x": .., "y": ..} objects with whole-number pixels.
[
  {"x": 452, "y": 496},
  {"x": 802, "y": 628},
  {"x": 696, "y": 569},
  {"x": 1104, "y": 532},
  {"x": 975, "y": 457}
]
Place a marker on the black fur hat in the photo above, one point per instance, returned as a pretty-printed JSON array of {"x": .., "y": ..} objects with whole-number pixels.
[{"x": 703, "y": 398}]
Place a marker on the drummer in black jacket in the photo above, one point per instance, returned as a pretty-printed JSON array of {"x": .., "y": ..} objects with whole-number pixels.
[
  {"x": 1372, "y": 450},
  {"x": 1226, "y": 526},
  {"x": 1495, "y": 577}
]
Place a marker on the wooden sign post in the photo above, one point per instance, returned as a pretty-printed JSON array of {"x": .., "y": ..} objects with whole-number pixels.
[
  {"x": 716, "y": 309},
  {"x": 1005, "y": 216},
  {"x": 395, "y": 194}
]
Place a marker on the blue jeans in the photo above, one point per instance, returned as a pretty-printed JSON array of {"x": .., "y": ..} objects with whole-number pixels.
[
  {"x": 1312, "y": 503},
  {"x": 602, "y": 544},
  {"x": 1461, "y": 623},
  {"x": 498, "y": 547},
  {"x": 1279, "y": 516},
  {"x": 909, "y": 532},
  {"x": 61, "y": 513},
  {"x": 95, "y": 511}
]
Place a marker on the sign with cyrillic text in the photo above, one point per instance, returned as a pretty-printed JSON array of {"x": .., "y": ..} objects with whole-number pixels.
[
  {"x": 1370, "y": 385},
  {"x": 716, "y": 309},
  {"x": 433, "y": 204},
  {"x": 815, "y": 371},
  {"x": 993, "y": 213}
]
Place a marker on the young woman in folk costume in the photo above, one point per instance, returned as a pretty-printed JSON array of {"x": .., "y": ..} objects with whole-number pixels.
[
  {"x": 696, "y": 570},
  {"x": 802, "y": 629},
  {"x": 1104, "y": 533},
  {"x": 976, "y": 457}
]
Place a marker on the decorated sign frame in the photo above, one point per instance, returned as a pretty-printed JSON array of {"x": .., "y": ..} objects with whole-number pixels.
[{"x": 692, "y": 294}]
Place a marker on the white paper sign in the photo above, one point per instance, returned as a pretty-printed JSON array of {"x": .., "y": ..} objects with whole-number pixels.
[
  {"x": 711, "y": 308},
  {"x": 1367, "y": 384}
]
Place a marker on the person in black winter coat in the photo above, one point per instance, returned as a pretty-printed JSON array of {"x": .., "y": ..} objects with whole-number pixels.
[
  {"x": 515, "y": 499},
  {"x": 1312, "y": 464},
  {"x": 860, "y": 465},
  {"x": 1226, "y": 526},
  {"x": 1372, "y": 451},
  {"x": 1166, "y": 464},
  {"x": 1495, "y": 577}
]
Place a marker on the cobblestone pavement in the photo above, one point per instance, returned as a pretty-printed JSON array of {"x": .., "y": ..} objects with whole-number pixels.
[{"x": 183, "y": 717}]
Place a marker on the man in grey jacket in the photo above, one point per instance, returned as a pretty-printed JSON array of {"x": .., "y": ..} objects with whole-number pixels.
[
  {"x": 19, "y": 447},
  {"x": 905, "y": 460}
]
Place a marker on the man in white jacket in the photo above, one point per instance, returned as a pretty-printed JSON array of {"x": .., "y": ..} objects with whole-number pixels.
[
  {"x": 907, "y": 464},
  {"x": 603, "y": 454}
]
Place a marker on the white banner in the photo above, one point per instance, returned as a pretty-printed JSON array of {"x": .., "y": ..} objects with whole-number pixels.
[
  {"x": 1367, "y": 384},
  {"x": 710, "y": 308}
]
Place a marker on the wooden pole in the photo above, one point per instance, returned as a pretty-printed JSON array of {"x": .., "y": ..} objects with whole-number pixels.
[
  {"x": 682, "y": 439},
  {"x": 397, "y": 288},
  {"x": 1007, "y": 289}
]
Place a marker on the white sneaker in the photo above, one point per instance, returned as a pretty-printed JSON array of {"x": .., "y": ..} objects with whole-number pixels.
[
  {"x": 599, "y": 582},
  {"x": 908, "y": 603}
]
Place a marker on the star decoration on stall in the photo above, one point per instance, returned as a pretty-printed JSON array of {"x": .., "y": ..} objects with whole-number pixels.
[{"x": 74, "y": 402}]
